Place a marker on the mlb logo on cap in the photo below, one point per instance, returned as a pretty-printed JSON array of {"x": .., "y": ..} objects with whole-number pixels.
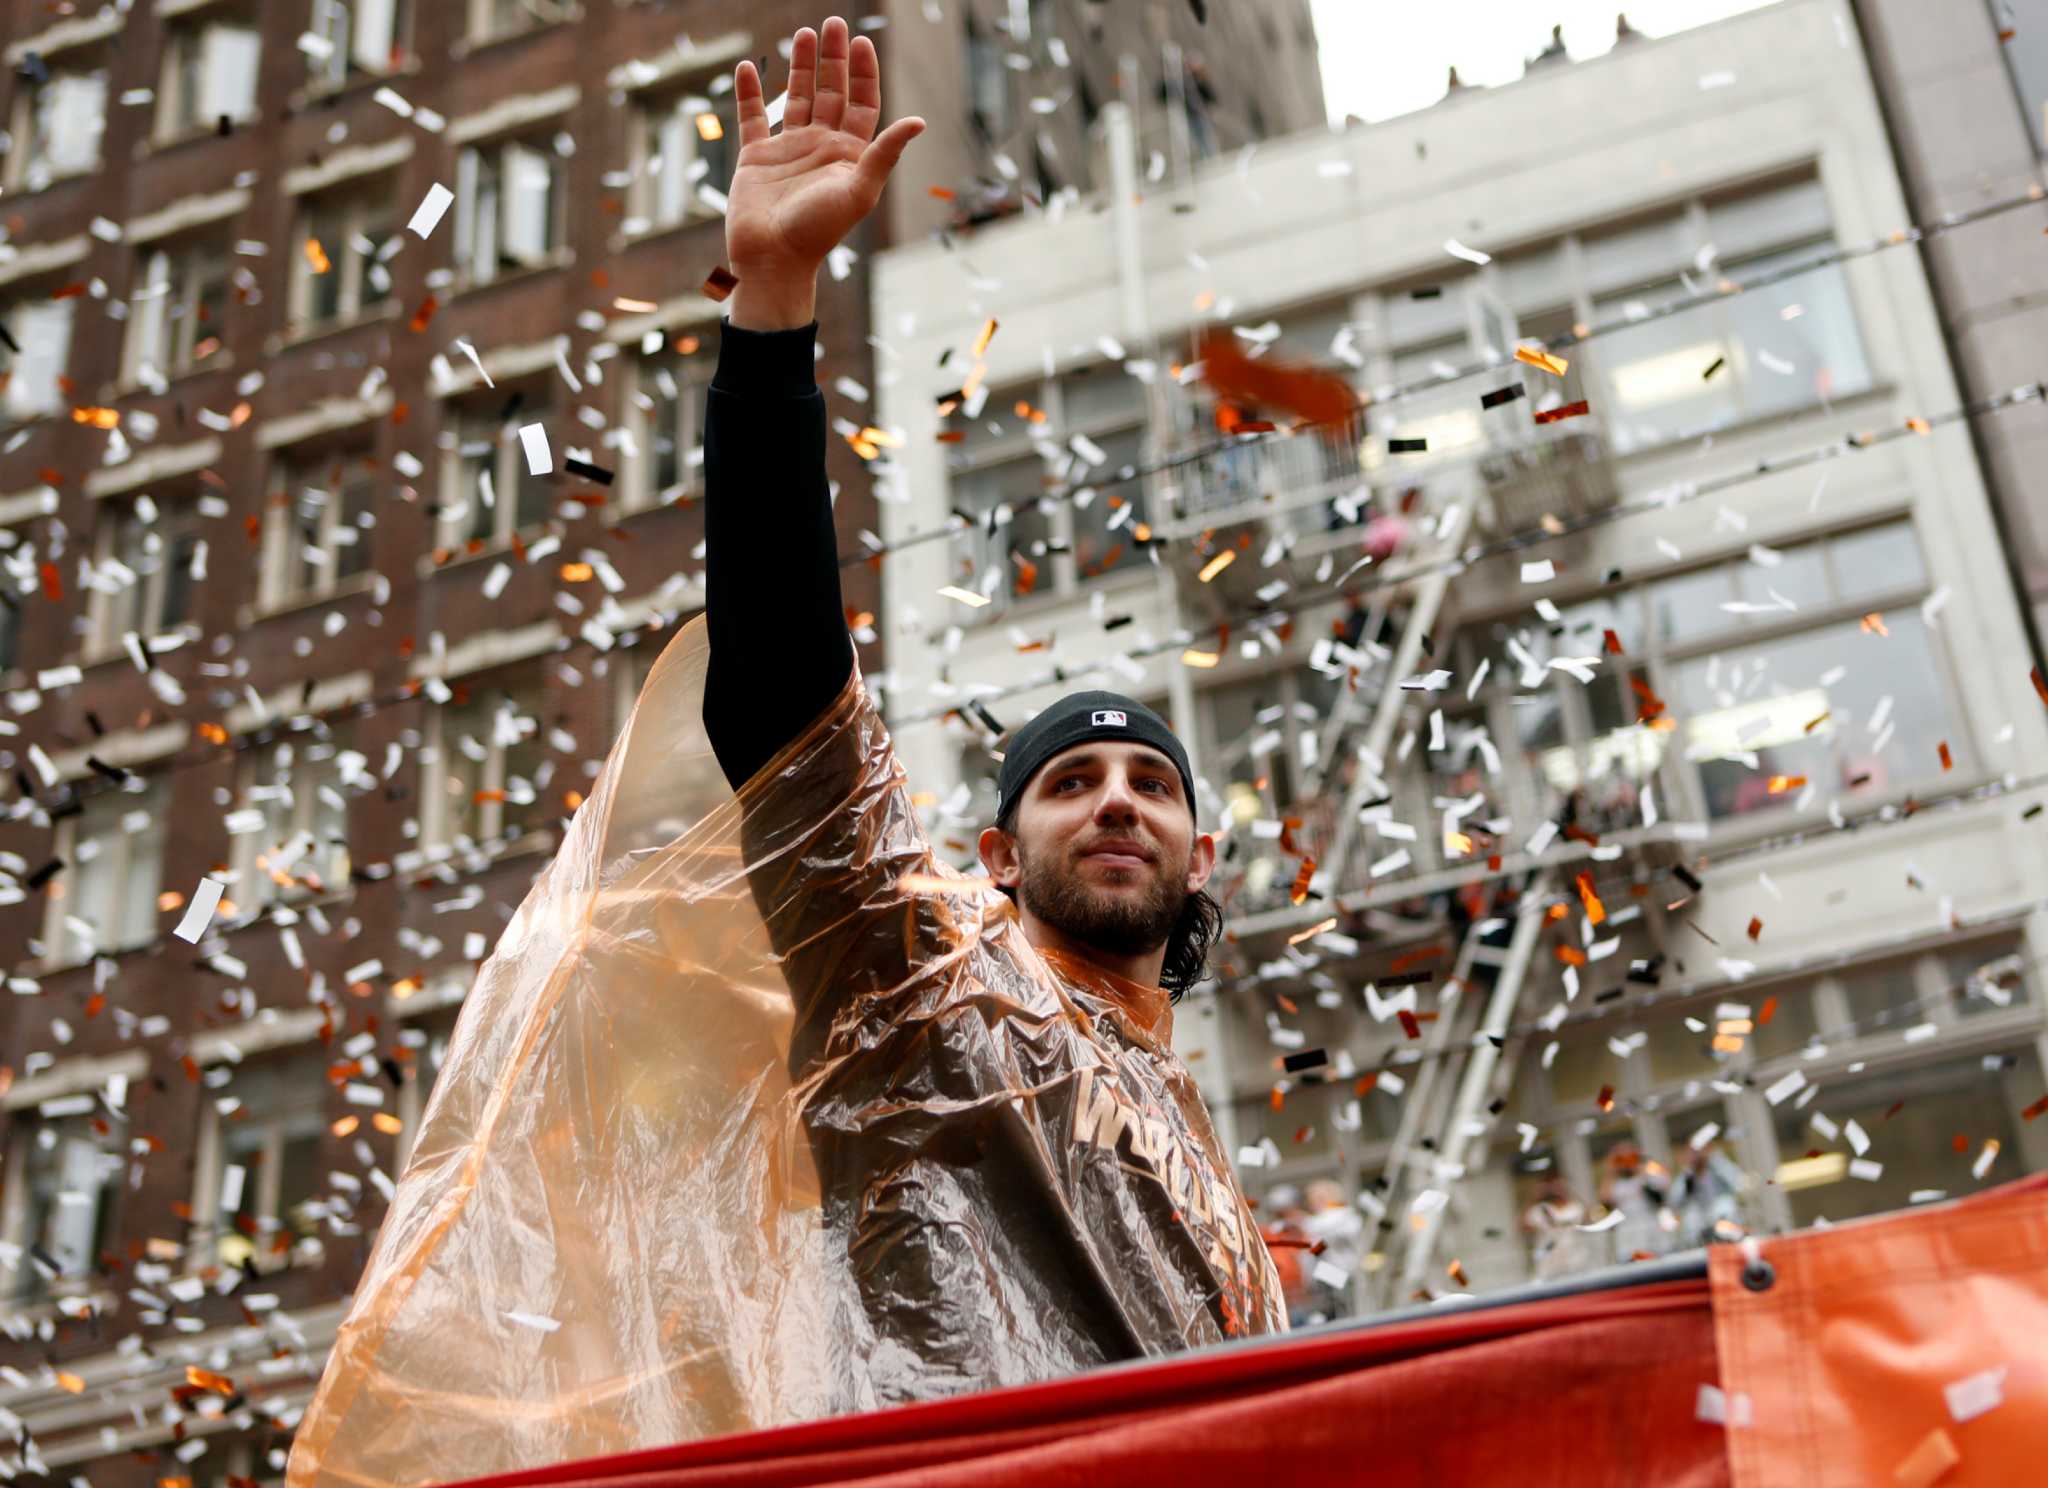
[{"x": 1108, "y": 717}]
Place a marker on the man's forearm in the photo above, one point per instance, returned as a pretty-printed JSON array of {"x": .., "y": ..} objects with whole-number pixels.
[{"x": 780, "y": 652}]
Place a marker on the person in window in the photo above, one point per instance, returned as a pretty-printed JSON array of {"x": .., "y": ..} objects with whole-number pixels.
[
  {"x": 1637, "y": 1188},
  {"x": 1558, "y": 1245},
  {"x": 1015, "y": 1160}
]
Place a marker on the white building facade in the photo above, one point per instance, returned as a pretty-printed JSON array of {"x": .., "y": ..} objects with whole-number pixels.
[{"x": 1806, "y": 680}]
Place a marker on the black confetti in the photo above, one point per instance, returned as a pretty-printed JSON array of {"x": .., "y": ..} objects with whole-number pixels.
[
  {"x": 1500, "y": 396},
  {"x": 587, "y": 470},
  {"x": 1307, "y": 1059},
  {"x": 1408, "y": 446},
  {"x": 45, "y": 873}
]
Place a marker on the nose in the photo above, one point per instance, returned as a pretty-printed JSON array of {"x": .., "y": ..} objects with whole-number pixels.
[{"x": 1118, "y": 803}]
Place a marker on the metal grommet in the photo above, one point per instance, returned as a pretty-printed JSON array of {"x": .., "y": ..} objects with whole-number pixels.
[{"x": 1759, "y": 1275}]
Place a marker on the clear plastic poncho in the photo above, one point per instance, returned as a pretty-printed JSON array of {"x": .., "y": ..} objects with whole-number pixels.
[{"x": 749, "y": 1120}]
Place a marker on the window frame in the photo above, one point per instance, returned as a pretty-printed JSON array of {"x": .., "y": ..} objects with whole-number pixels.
[
  {"x": 365, "y": 205},
  {"x": 654, "y": 110},
  {"x": 281, "y": 583},
  {"x": 437, "y": 834},
  {"x": 346, "y": 64},
  {"x": 257, "y": 782},
  {"x": 12, "y": 306},
  {"x": 210, "y": 1165},
  {"x": 645, "y": 405},
  {"x": 182, "y": 78},
  {"x": 126, "y": 845},
  {"x": 176, "y": 519},
  {"x": 178, "y": 272},
  {"x": 27, "y": 1288},
  {"x": 508, "y": 471},
  {"x": 23, "y": 171},
  {"x": 482, "y": 257}
]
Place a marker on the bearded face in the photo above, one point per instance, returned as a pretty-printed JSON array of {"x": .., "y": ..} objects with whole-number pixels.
[{"x": 1115, "y": 891}]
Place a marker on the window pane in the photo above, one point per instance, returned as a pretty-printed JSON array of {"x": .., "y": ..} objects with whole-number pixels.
[
  {"x": 1104, "y": 529},
  {"x": 1657, "y": 374},
  {"x": 1006, "y": 552},
  {"x": 1844, "y": 708},
  {"x": 1882, "y": 997},
  {"x": 1797, "y": 342},
  {"x": 1793, "y": 1021},
  {"x": 1913, "y": 1116},
  {"x": 1800, "y": 575},
  {"x": 73, "y": 1179},
  {"x": 1878, "y": 560},
  {"x": 42, "y": 329}
]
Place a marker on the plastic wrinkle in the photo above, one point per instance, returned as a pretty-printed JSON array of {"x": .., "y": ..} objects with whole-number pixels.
[{"x": 772, "y": 1138}]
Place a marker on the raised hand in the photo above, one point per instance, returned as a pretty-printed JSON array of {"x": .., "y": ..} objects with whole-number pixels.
[{"x": 796, "y": 194}]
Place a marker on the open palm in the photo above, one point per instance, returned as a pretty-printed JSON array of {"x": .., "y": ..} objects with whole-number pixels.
[{"x": 796, "y": 194}]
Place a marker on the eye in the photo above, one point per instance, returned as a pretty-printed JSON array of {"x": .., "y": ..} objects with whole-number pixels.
[
  {"x": 1065, "y": 781},
  {"x": 1158, "y": 787}
]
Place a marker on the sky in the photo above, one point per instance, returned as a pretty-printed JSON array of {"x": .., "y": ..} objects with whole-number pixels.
[{"x": 1387, "y": 57}]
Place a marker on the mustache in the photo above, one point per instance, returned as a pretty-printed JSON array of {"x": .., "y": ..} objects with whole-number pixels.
[{"x": 1135, "y": 846}]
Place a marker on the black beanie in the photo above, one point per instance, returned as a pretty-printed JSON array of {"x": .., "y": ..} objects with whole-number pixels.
[{"x": 1077, "y": 717}]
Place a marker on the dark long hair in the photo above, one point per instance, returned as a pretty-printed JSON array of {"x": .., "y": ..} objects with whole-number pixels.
[{"x": 1188, "y": 944}]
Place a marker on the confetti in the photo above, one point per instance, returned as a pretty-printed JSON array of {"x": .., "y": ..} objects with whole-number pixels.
[
  {"x": 540, "y": 459},
  {"x": 1927, "y": 1462},
  {"x": 432, "y": 208},
  {"x": 963, "y": 596},
  {"x": 1537, "y": 357},
  {"x": 1407, "y": 446},
  {"x": 1501, "y": 396},
  {"x": 1974, "y": 1394},
  {"x": 200, "y": 911},
  {"x": 1570, "y": 411},
  {"x": 720, "y": 283}
]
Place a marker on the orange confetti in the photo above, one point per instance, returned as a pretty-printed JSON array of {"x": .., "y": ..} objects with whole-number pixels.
[
  {"x": 1410, "y": 1024},
  {"x": 2034, "y": 1111},
  {"x": 1767, "y": 1012},
  {"x": 53, "y": 584},
  {"x": 206, "y": 1379},
  {"x": 424, "y": 316},
  {"x": 1299, "y": 891},
  {"x": 1606, "y": 1098},
  {"x": 387, "y": 1123},
  {"x": 99, "y": 418},
  {"x": 1456, "y": 1272},
  {"x": 317, "y": 256},
  {"x": 1571, "y": 955},
  {"x": 1873, "y": 624},
  {"x": 1756, "y": 927},
  {"x": 1310, "y": 393},
  {"x": 1217, "y": 564},
  {"x": 1613, "y": 643},
  {"x": 1777, "y": 785},
  {"x": 71, "y": 1382},
  {"x": 1279, "y": 1097},
  {"x": 577, "y": 573},
  {"x": 1537, "y": 357},
  {"x": 1596, "y": 912},
  {"x": 1570, "y": 411},
  {"x": 942, "y": 193},
  {"x": 1947, "y": 760},
  {"x": 988, "y": 334}
]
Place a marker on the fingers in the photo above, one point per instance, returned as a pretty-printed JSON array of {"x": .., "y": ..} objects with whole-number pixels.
[
  {"x": 880, "y": 157},
  {"x": 803, "y": 79},
  {"x": 829, "y": 107},
  {"x": 864, "y": 91},
  {"x": 746, "y": 92}
]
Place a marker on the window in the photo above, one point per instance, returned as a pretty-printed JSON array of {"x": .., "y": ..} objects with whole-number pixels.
[
  {"x": 425, "y": 1045},
  {"x": 345, "y": 239},
  {"x": 31, "y": 383},
  {"x": 143, "y": 576},
  {"x": 489, "y": 490},
  {"x": 1844, "y": 708},
  {"x": 509, "y": 204},
  {"x": 2026, "y": 54},
  {"x": 178, "y": 310},
  {"x": 210, "y": 68},
  {"x": 1913, "y": 1115},
  {"x": 63, "y": 1185},
  {"x": 490, "y": 771},
  {"x": 59, "y": 116},
  {"x": 1037, "y": 475},
  {"x": 259, "y": 1170},
  {"x": 988, "y": 83},
  {"x": 290, "y": 827},
  {"x": 670, "y": 402},
  {"x": 1779, "y": 348},
  {"x": 491, "y": 19},
  {"x": 105, "y": 899},
  {"x": 317, "y": 527},
  {"x": 355, "y": 38},
  {"x": 686, "y": 148}
]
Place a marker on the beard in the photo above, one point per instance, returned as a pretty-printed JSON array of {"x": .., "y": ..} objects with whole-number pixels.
[{"x": 1112, "y": 920}]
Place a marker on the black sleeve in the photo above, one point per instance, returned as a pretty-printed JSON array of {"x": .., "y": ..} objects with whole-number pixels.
[{"x": 780, "y": 652}]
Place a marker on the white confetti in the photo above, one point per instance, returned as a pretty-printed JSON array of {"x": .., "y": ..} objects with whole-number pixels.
[
  {"x": 1865, "y": 1169},
  {"x": 200, "y": 911},
  {"x": 1789, "y": 1085},
  {"x": 531, "y": 1320},
  {"x": 427, "y": 216},
  {"x": 1541, "y": 571},
  {"x": 1724, "y": 1410},
  {"x": 1974, "y": 1394},
  {"x": 540, "y": 460},
  {"x": 1457, "y": 249}
]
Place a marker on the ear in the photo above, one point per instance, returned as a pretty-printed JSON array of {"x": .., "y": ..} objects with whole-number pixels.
[
  {"x": 1201, "y": 861},
  {"x": 998, "y": 851}
]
